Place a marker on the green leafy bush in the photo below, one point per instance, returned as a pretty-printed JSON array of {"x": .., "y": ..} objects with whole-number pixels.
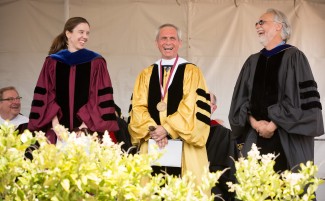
[
  {"x": 258, "y": 181},
  {"x": 81, "y": 168}
]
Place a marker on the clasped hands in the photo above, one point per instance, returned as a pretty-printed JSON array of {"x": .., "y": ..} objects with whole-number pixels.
[
  {"x": 264, "y": 128},
  {"x": 159, "y": 135},
  {"x": 79, "y": 130}
]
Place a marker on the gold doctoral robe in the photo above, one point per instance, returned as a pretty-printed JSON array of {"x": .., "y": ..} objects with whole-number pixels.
[{"x": 187, "y": 116}]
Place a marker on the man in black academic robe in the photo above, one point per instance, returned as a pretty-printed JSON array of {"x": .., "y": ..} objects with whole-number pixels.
[{"x": 275, "y": 102}]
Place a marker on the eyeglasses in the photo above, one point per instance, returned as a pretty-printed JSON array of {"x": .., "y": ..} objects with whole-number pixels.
[
  {"x": 261, "y": 22},
  {"x": 12, "y": 99}
]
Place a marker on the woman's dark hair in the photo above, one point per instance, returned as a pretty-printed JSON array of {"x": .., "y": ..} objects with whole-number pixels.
[{"x": 60, "y": 42}]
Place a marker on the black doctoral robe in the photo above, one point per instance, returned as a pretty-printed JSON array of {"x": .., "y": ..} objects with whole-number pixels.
[
  {"x": 296, "y": 109},
  {"x": 222, "y": 151}
]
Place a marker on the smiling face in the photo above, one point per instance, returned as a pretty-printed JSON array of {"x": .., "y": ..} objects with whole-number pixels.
[
  {"x": 269, "y": 31},
  {"x": 78, "y": 37},
  {"x": 168, "y": 42},
  {"x": 10, "y": 109}
]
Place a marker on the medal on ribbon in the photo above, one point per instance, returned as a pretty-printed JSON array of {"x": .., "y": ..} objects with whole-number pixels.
[{"x": 162, "y": 106}]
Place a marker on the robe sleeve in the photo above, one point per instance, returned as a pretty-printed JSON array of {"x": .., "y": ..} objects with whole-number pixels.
[
  {"x": 299, "y": 111},
  {"x": 44, "y": 107},
  {"x": 99, "y": 112},
  {"x": 191, "y": 121},
  {"x": 140, "y": 119},
  {"x": 239, "y": 108}
]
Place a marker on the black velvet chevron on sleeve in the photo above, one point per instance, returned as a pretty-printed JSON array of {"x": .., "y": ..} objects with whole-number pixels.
[
  {"x": 106, "y": 104},
  {"x": 109, "y": 117},
  {"x": 107, "y": 90},
  {"x": 309, "y": 94},
  {"x": 310, "y": 105},
  {"x": 38, "y": 103},
  {"x": 40, "y": 90},
  {"x": 203, "y": 105},
  {"x": 308, "y": 83},
  {"x": 203, "y": 118},
  {"x": 34, "y": 115},
  {"x": 202, "y": 92}
]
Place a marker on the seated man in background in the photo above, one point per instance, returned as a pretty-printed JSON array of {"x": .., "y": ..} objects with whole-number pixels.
[
  {"x": 10, "y": 108},
  {"x": 221, "y": 149}
]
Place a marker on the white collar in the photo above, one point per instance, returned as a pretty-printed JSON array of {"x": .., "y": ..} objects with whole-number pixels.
[{"x": 171, "y": 61}]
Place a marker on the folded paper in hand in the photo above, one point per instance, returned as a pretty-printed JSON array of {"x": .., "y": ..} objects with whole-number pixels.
[{"x": 172, "y": 153}]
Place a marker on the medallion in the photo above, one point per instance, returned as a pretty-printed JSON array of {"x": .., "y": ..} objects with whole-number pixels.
[{"x": 161, "y": 106}]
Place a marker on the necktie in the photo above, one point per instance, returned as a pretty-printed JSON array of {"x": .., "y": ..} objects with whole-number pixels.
[{"x": 167, "y": 67}]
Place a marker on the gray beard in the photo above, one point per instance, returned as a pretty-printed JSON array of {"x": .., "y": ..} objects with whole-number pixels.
[{"x": 263, "y": 40}]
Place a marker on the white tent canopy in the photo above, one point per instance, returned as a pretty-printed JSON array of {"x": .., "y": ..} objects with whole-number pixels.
[{"x": 218, "y": 36}]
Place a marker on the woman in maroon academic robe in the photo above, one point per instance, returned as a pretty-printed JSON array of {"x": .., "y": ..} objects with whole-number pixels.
[{"x": 74, "y": 88}]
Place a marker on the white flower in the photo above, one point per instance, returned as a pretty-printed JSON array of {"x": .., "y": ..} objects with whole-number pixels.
[
  {"x": 257, "y": 179},
  {"x": 254, "y": 153},
  {"x": 292, "y": 178},
  {"x": 107, "y": 141},
  {"x": 268, "y": 158},
  {"x": 107, "y": 173},
  {"x": 25, "y": 136}
]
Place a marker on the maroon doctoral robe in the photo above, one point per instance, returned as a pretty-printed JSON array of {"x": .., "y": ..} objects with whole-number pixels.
[{"x": 75, "y": 87}]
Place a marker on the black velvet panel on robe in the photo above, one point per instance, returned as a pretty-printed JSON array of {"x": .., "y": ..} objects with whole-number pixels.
[
  {"x": 176, "y": 89},
  {"x": 264, "y": 94},
  {"x": 265, "y": 88},
  {"x": 81, "y": 92}
]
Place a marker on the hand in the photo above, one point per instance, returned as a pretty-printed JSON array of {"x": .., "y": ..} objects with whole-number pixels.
[
  {"x": 55, "y": 122},
  {"x": 268, "y": 130},
  {"x": 83, "y": 125},
  {"x": 158, "y": 134},
  {"x": 257, "y": 125},
  {"x": 162, "y": 143},
  {"x": 264, "y": 128},
  {"x": 82, "y": 129}
]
